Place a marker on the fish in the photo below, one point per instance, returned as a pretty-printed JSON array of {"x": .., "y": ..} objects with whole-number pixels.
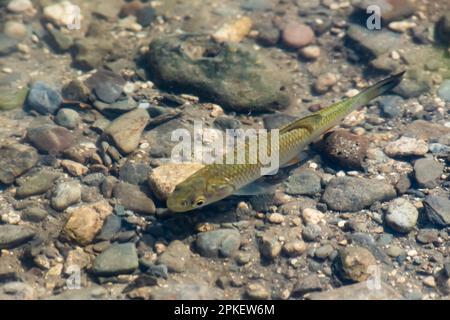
[{"x": 217, "y": 181}]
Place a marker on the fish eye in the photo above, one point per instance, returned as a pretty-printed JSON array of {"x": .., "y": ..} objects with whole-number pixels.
[{"x": 200, "y": 201}]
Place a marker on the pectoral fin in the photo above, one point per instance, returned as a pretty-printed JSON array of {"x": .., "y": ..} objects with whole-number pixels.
[{"x": 308, "y": 123}]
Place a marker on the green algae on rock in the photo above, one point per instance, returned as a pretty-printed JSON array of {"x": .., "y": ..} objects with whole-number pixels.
[
  {"x": 12, "y": 99},
  {"x": 228, "y": 74}
]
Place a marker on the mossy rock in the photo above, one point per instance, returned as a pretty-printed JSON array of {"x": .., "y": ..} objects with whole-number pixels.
[{"x": 230, "y": 75}]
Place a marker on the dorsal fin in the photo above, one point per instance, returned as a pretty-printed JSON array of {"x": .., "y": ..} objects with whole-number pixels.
[{"x": 308, "y": 122}]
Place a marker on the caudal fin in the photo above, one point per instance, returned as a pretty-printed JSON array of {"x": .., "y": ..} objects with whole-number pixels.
[{"x": 379, "y": 88}]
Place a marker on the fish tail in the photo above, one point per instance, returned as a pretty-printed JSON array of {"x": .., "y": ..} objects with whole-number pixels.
[
  {"x": 379, "y": 88},
  {"x": 333, "y": 114}
]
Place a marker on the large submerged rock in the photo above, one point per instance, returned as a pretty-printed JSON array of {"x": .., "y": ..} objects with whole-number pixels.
[{"x": 228, "y": 74}]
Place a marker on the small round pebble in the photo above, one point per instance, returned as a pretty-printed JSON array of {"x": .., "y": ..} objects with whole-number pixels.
[
  {"x": 257, "y": 291},
  {"x": 276, "y": 218},
  {"x": 310, "y": 52},
  {"x": 67, "y": 118},
  {"x": 297, "y": 35}
]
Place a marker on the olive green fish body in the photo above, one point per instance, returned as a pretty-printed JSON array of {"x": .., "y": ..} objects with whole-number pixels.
[{"x": 219, "y": 180}]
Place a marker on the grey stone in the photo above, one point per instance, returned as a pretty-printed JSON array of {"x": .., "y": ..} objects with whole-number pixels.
[
  {"x": 50, "y": 138},
  {"x": 110, "y": 227},
  {"x": 437, "y": 209},
  {"x": 218, "y": 243},
  {"x": 175, "y": 257},
  {"x": 401, "y": 215},
  {"x": 311, "y": 232},
  {"x": 34, "y": 214},
  {"x": 117, "y": 259},
  {"x": 303, "y": 183},
  {"x": 7, "y": 45},
  {"x": 132, "y": 198},
  {"x": 354, "y": 194},
  {"x": 67, "y": 118},
  {"x": 15, "y": 159},
  {"x": 307, "y": 285},
  {"x": 391, "y": 105},
  {"x": 12, "y": 236},
  {"x": 134, "y": 173},
  {"x": 127, "y": 129},
  {"x": 43, "y": 98},
  {"x": 427, "y": 172},
  {"x": 208, "y": 69},
  {"x": 66, "y": 194},
  {"x": 37, "y": 183}
]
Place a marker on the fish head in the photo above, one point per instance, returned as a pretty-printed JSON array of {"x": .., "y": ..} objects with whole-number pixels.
[{"x": 198, "y": 191}]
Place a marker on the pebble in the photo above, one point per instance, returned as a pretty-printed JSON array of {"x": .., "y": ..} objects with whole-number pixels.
[
  {"x": 257, "y": 291},
  {"x": 391, "y": 105},
  {"x": 86, "y": 221},
  {"x": 306, "y": 285},
  {"x": 51, "y": 139},
  {"x": 296, "y": 35},
  {"x": 269, "y": 246},
  {"x": 66, "y": 194},
  {"x": 134, "y": 173},
  {"x": 94, "y": 179},
  {"x": 425, "y": 236},
  {"x": 95, "y": 292},
  {"x": 444, "y": 90},
  {"x": 346, "y": 149},
  {"x": 437, "y": 209},
  {"x": 356, "y": 263},
  {"x": 310, "y": 52},
  {"x": 401, "y": 215},
  {"x": 312, "y": 216},
  {"x": 16, "y": 290},
  {"x": 12, "y": 236},
  {"x": 34, "y": 184},
  {"x": 324, "y": 82},
  {"x": 117, "y": 259},
  {"x": 132, "y": 198},
  {"x": 428, "y": 172},
  {"x": 21, "y": 6},
  {"x": 15, "y": 30},
  {"x": 62, "y": 14},
  {"x": 67, "y": 118},
  {"x": 16, "y": 159},
  {"x": 265, "y": 88},
  {"x": 425, "y": 130},
  {"x": 429, "y": 281},
  {"x": 395, "y": 251},
  {"x": 34, "y": 214},
  {"x": 107, "y": 85},
  {"x": 218, "y": 243},
  {"x": 294, "y": 248},
  {"x": 401, "y": 26},
  {"x": 354, "y": 194},
  {"x": 145, "y": 16},
  {"x": 405, "y": 147},
  {"x": 311, "y": 232},
  {"x": 90, "y": 52},
  {"x": 235, "y": 31},
  {"x": 43, "y": 98},
  {"x": 163, "y": 179},
  {"x": 175, "y": 257},
  {"x": 74, "y": 168},
  {"x": 276, "y": 218},
  {"x": 127, "y": 129},
  {"x": 303, "y": 183},
  {"x": 324, "y": 252}
]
